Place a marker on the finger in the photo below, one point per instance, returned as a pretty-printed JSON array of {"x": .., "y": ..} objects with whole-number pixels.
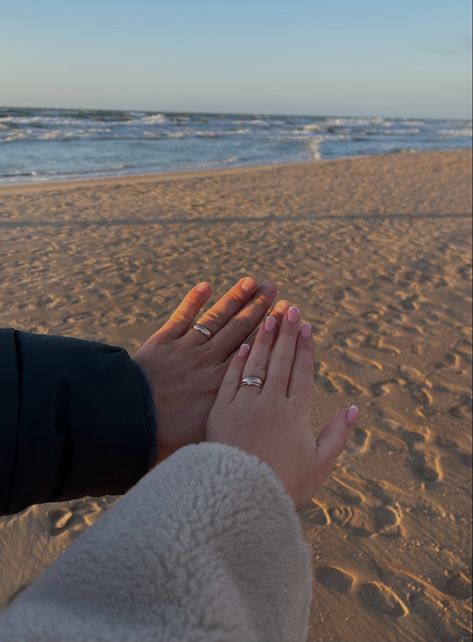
[
  {"x": 277, "y": 312},
  {"x": 225, "y": 308},
  {"x": 282, "y": 355},
  {"x": 257, "y": 362},
  {"x": 182, "y": 317},
  {"x": 302, "y": 375},
  {"x": 332, "y": 440},
  {"x": 240, "y": 326},
  {"x": 231, "y": 381}
]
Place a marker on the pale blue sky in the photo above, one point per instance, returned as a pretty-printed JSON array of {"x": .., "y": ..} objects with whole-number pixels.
[{"x": 314, "y": 57}]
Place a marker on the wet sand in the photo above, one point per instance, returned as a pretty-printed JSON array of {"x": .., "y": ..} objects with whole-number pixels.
[{"x": 377, "y": 251}]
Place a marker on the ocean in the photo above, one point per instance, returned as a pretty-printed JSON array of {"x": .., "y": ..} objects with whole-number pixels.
[{"x": 38, "y": 145}]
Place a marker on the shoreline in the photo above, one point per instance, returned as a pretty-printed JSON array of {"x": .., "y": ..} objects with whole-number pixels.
[{"x": 173, "y": 175}]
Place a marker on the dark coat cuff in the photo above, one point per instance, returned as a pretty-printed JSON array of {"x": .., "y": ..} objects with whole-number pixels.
[{"x": 74, "y": 420}]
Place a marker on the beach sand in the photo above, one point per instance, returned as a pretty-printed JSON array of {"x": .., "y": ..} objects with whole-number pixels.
[{"x": 377, "y": 251}]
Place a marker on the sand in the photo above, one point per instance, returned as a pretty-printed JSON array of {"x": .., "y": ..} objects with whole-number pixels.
[{"x": 377, "y": 251}]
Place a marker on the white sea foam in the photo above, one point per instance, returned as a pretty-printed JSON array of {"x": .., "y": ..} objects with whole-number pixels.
[
  {"x": 455, "y": 133},
  {"x": 314, "y": 148},
  {"x": 350, "y": 122},
  {"x": 203, "y": 137},
  {"x": 154, "y": 119}
]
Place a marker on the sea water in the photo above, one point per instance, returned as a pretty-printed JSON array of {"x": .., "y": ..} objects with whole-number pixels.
[{"x": 38, "y": 145}]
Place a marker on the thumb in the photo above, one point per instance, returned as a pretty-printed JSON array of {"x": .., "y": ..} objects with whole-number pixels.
[{"x": 332, "y": 440}]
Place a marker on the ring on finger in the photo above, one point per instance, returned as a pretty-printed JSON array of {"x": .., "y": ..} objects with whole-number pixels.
[
  {"x": 203, "y": 330},
  {"x": 251, "y": 381}
]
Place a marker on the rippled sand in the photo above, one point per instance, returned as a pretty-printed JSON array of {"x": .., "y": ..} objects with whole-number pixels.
[{"x": 378, "y": 253}]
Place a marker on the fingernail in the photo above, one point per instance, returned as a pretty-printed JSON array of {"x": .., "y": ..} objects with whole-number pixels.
[
  {"x": 269, "y": 324},
  {"x": 203, "y": 287},
  {"x": 293, "y": 314},
  {"x": 306, "y": 330},
  {"x": 244, "y": 350},
  {"x": 267, "y": 288},
  {"x": 247, "y": 284},
  {"x": 351, "y": 414}
]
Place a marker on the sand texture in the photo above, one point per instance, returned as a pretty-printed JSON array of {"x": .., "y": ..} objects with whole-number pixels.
[{"x": 377, "y": 251}]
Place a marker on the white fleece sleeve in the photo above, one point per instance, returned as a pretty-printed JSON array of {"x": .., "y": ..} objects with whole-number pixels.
[{"x": 207, "y": 547}]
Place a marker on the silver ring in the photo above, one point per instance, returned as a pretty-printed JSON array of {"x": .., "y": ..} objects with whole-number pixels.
[
  {"x": 251, "y": 381},
  {"x": 203, "y": 330}
]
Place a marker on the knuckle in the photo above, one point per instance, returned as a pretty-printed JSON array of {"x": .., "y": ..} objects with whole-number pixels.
[
  {"x": 214, "y": 317},
  {"x": 242, "y": 323},
  {"x": 237, "y": 297},
  {"x": 258, "y": 367},
  {"x": 182, "y": 316},
  {"x": 203, "y": 359},
  {"x": 305, "y": 369},
  {"x": 193, "y": 297},
  {"x": 282, "y": 358}
]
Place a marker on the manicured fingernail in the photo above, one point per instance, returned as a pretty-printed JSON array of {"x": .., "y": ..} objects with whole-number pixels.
[
  {"x": 203, "y": 287},
  {"x": 269, "y": 324},
  {"x": 293, "y": 314},
  {"x": 244, "y": 350},
  {"x": 247, "y": 284},
  {"x": 351, "y": 414},
  {"x": 267, "y": 288},
  {"x": 306, "y": 330}
]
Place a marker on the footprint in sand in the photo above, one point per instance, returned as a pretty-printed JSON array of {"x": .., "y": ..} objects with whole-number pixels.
[
  {"x": 315, "y": 513},
  {"x": 347, "y": 384},
  {"x": 369, "y": 521},
  {"x": 381, "y": 599},
  {"x": 459, "y": 586},
  {"x": 384, "y": 387},
  {"x": 463, "y": 457},
  {"x": 323, "y": 378},
  {"x": 425, "y": 462},
  {"x": 368, "y": 514},
  {"x": 334, "y": 578},
  {"x": 75, "y": 518},
  {"x": 418, "y": 387},
  {"x": 360, "y": 441},
  {"x": 374, "y": 596},
  {"x": 463, "y": 409},
  {"x": 431, "y": 611},
  {"x": 335, "y": 382},
  {"x": 354, "y": 359}
]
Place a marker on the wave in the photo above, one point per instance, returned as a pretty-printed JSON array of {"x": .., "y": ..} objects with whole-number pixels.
[
  {"x": 110, "y": 142},
  {"x": 154, "y": 119},
  {"x": 456, "y": 133}
]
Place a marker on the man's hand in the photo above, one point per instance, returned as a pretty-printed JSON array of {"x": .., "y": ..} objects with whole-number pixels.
[{"x": 185, "y": 368}]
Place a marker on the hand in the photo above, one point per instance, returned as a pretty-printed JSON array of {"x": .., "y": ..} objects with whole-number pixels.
[
  {"x": 274, "y": 422},
  {"x": 185, "y": 368}
]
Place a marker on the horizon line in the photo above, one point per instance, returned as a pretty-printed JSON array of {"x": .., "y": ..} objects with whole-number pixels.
[{"x": 232, "y": 113}]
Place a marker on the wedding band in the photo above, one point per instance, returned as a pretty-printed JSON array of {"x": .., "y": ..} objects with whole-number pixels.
[
  {"x": 203, "y": 330},
  {"x": 251, "y": 381}
]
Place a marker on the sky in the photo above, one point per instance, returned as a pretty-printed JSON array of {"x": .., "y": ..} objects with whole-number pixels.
[{"x": 312, "y": 57}]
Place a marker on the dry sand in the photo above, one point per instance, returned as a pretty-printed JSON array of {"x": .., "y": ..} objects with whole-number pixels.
[{"x": 378, "y": 253}]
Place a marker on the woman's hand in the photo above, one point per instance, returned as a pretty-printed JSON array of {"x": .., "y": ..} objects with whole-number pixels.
[
  {"x": 274, "y": 422},
  {"x": 185, "y": 369}
]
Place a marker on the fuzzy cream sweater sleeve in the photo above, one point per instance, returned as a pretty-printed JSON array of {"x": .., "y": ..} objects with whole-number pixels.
[{"x": 206, "y": 548}]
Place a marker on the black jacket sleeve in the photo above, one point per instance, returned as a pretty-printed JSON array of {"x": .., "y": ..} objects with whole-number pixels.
[{"x": 75, "y": 419}]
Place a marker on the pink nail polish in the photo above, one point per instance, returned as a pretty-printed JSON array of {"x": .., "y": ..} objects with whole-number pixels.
[
  {"x": 351, "y": 414},
  {"x": 293, "y": 314},
  {"x": 269, "y": 324},
  {"x": 244, "y": 350},
  {"x": 306, "y": 330}
]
